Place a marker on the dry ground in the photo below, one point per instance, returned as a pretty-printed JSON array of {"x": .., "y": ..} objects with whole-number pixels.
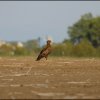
[{"x": 65, "y": 78}]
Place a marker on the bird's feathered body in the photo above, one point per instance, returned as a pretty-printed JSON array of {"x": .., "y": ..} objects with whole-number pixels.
[{"x": 45, "y": 51}]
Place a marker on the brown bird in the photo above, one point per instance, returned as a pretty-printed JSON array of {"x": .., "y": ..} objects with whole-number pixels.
[{"x": 45, "y": 51}]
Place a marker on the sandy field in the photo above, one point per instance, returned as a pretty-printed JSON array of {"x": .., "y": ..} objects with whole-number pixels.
[{"x": 56, "y": 78}]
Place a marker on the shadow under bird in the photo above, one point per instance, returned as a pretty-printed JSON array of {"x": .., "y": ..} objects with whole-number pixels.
[{"x": 45, "y": 51}]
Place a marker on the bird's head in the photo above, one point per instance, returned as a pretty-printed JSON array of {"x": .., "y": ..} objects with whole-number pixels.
[{"x": 49, "y": 42}]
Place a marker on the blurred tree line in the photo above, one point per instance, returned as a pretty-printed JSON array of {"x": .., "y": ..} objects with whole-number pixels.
[
  {"x": 82, "y": 49},
  {"x": 27, "y": 48},
  {"x": 84, "y": 41},
  {"x": 84, "y": 38},
  {"x": 87, "y": 27}
]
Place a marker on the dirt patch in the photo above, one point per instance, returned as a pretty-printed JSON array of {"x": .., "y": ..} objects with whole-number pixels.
[{"x": 56, "y": 78}]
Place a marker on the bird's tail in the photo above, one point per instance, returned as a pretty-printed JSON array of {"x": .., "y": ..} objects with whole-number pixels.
[{"x": 38, "y": 58}]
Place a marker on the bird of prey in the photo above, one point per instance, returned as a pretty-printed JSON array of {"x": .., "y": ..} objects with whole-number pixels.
[{"x": 45, "y": 51}]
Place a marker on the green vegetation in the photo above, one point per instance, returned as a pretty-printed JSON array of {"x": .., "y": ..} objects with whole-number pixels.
[
  {"x": 83, "y": 49},
  {"x": 87, "y": 27},
  {"x": 84, "y": 41},
  {"x": 84, "y": 38}
]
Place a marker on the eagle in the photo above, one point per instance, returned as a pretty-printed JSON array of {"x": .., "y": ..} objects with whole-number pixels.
[{"x": 45, "y": 51}]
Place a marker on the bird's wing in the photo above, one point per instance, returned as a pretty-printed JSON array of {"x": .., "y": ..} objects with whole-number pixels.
[
  {"x": 41, "y": 53},
  {"x": 43, "y": 50},
  {"x": 46, "y": 51}
]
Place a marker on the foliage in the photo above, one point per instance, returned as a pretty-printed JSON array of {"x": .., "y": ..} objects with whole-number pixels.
[
  {"x": 21, "y": 51},
  {"x": 31, "y": 44},
  {"x": 84, "y": 41},
  {"x": 67, "y": 48},
  {"x": 83, "y": 49},
  {"x": 87, "y": 27},
  {"x": 6, "y": 50}
]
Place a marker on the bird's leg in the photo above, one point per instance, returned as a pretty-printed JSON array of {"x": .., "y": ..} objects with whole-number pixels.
[{"x": 46, "y": 57}]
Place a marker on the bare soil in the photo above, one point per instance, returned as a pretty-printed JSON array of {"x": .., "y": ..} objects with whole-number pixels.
[{"x": 55, "y": 78}]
